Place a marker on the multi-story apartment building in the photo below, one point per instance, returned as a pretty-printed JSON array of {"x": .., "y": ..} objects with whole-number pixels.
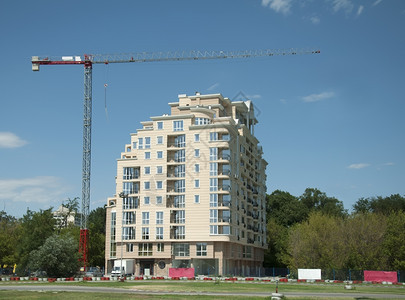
[{"x": 190, "y": 192}]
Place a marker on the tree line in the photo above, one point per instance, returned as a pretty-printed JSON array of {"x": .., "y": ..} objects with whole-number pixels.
[
  {"x": 316, "y": 231},
  {"x": 309, "y": 231},
  {"x": 38, "y": 241}
]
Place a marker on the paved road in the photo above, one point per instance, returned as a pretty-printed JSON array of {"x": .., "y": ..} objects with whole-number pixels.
[{"x": 66, "y": 288}]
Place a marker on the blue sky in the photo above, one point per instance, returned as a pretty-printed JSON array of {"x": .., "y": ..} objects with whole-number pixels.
[{"x": 332, "y": 121}]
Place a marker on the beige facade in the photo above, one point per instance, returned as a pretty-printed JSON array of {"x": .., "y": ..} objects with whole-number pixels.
[{"x": 192, "y": 187}]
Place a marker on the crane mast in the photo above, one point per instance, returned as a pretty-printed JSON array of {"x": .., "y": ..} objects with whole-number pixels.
[{"x": 88, "y": 61}]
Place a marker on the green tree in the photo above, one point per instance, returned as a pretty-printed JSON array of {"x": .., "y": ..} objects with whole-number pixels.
[
  {"x": 9, "y": 228},
  {"x": 316, "y": 243},
  {"x": 384, "y": 205},
  {"x": 394, "y": 243},
  {"x": 284, "y": 208},
  {"x": 315, "y": 200},
  {"x": 277, "y": 239},
  {"x": 58, "y": 256},
  {"x": 364, "y": 236},
  {"x": 96, "y": 249},
  {"x": 36, "y": 227}
]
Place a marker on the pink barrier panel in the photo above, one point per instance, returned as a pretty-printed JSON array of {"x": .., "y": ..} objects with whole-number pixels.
[
  {"x": 181, "y": 272},
  {"x": 380, "y": 276}
]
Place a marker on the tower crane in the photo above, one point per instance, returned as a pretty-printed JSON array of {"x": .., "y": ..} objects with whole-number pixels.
[{"x": 87, "y": 60}]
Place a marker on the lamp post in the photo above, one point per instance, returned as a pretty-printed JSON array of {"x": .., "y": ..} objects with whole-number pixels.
[{"x": 122, "y": 195}]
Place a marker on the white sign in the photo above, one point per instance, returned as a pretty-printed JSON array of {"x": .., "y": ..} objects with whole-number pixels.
[{"x": 314, "y": 274}]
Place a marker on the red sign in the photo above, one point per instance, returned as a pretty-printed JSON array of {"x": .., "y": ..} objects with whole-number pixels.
[
  {"x": 380, "y": 276},
  {"x": 181, "y": 272}
]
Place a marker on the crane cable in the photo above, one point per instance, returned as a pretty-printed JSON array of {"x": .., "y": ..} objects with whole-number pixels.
[{"x": 105, "y": 93}]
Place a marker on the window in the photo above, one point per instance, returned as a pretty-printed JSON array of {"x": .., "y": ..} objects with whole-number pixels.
[
  {"x": 147, "y": 185},
  {"x": 202, "y": 121},
  {"x": 145, "y": 218},
  {"x": 113, "y": 224},
  {"x": 128, "y": 233},
  {"x": 197, "y": 168},
  {"x": 140, "y": 143},
  {"x": 179, "y": 232},
  {"x": 213, "y": 200},
  {"x": 226, "y": 229},
  {"x": 201, "y": 249},
  {"x": 213, "y": 169},
  {"x": 181, "y": 249},
  {"x": 179, "y": 201},
  {"x": 147, "y": 142},
  {"x": 159, "y": 170},
  {"x": 213, "y": 184},
  {"x": 145, "y": 249},
  {"x": 213, "y": 215},
  {"x": 145, "y": 233},
  {"x": 213, "y": 136},
  {"x": 180, "y": 171},
  {"x": 129, "y": 202},
  {"x": 196, "y": 152},
  {"x": 147, "y": 155},
  {"x": 226, "y": 216},
  {"x": 159, "y": 200},
  {"x": 160, "y": 247},
  {"x": 159, "y": 154},
  {"x": 196, "y": 183},
  {"x": 130, "y": 247},
  {"x": 180, "y": 141},
  {"x": 180, "y": 186},
  {"x": 134, "y": 145},
  {"x": 159, "y": 125},
  {"x": 159, "y": 217},
  {"x": 196, "y": 137},
  {"x": 159, "y": 233},
  {"x": 196, "y": 198},
  {"x": 214, "y": 153},
  {"x": 213, "y": 229},
  {"x": 146, "y": 170},
  {"x": 180, "y": 156},
  {"x": 130, "y": 173},
  {"x": 159, "y": 140},
  {"x": 180, "y": 217},
  {"x": 178, "y": 125},
  {"x": 146, "y": 200},
  {"x": 159, "y": 185},
  {"x": 130, "y": 187},
  {"x": 128, "y": 218}
]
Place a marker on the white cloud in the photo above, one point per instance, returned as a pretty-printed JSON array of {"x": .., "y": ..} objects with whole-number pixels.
[
  {"x": 45, "y": 190},
  {"x": 360, "y": 10},
  {"x": 280, "y": 6},
  {"x": 345, "y": 5},
  {"x": 318, "y": 97},
  {"x": 213, "y": 87},
  {"x": 358, "y": 166},
  {"x": 389, "y": 164},
  {"x": 315, "y": 20},
  {"x": 376, "y": 2},
  {"x": 10, "y": 140}
]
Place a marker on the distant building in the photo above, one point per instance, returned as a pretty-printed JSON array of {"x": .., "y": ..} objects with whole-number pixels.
[
  {"x": 65, "y": 218},
  {"x": 192, "y": 188}
]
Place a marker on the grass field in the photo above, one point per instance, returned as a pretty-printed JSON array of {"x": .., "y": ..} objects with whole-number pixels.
[{"x": 147, "y": 287}]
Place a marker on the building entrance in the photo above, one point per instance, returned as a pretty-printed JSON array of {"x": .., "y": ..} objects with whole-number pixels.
[{"x": 146, "y": 267}]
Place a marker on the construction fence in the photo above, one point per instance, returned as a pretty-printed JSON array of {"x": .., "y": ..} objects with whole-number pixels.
[{"x": 327, "y": 274}]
